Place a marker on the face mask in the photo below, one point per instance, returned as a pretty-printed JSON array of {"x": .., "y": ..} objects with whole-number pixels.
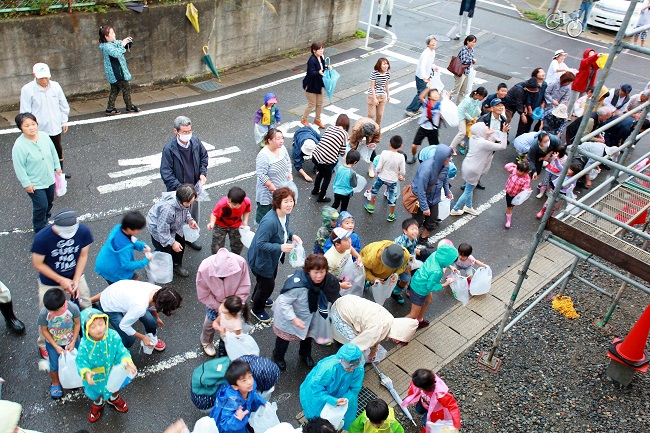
[{"x": 185, "y": 137}]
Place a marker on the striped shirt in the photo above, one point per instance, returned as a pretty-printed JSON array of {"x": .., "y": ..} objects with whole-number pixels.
[
  {"x": 380, "y": 82},
  {"x": 268, "y": 166},
  {"x": 331, "y": 145}
]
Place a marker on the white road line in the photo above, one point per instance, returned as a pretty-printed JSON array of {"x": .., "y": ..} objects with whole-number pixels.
[
  {"x": 414, "y": 61},
  {"x": 229, "y": 180},
  {"x": 512, "y": 8},
  {"x": 442, "y": 234}
]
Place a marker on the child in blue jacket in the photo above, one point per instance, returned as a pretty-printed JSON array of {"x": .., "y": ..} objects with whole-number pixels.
[
  {"x": 116, "y": 260},
  {"x": 236, "y": 399}
]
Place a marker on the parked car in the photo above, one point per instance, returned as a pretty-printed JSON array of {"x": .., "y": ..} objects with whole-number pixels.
[{"x": 609, "y": 14}]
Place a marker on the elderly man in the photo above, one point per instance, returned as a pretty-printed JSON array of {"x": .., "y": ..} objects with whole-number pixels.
[
  {"x": 423, "y": 74},
  {"x": 366, "y": 128},
  {"x": 45, "y": 99},
  {"x": 638, "y": 99},
  {"x": 185, "y": 160},
  {"x": 59, "y": 254},
  {"x": 618, "y": 99},
  {"x": 595, "y": 121}
]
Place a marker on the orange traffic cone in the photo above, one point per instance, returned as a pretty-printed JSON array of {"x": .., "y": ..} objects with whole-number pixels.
[{"x": 631, "y": 350}]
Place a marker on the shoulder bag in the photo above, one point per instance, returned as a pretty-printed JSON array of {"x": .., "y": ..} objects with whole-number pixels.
[{"x": 456, "y": 67}]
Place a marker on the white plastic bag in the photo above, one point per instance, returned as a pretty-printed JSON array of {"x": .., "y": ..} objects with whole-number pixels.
[
  {"x": 449, "y": 112},
  {"x": 264, "y": 418},
  {"x": 365, "y": 152},
  {"x": 118, "y": 378},
  {"x": 68, "y": 373},
  {"x": 240, "y": 345},
  {"x": 259, "y": 131},
  {"x": 416, "y": 264},
  {"x": 297, "y": 256},
  {"x": 470, "y": 81},
  {"x": 160, "y": 268},
  {"x": 444, "y": 207},
  {"x": 246, "y": 236},
  {"x": 201, "y": 194},
  {"x": 354, "y": 274},
  {"x": 382, "y": 291},
  {"x": 266, "y": 395},
  {"x": 361, "y": 183},
  {"x": 380, "y": 356},
  {"x": 190, "y": 234},
  {"x": 320, "y": 329},
  {"x": 60, "y": 184},
  {"x": 481, "y": 281},
  {"x": 460, "y": 289},
  {"x": 334, "y": 414},
  {"x": 436, "y": 83},
  {"x": 148, "y": 350},
  {"x": 205, "y": 425},
  {"x": 521, "y": 197},
  {"x": 292, "y": 186},
  {"x": 593, "y": 173},
  {"x": 441, "y": 426}
]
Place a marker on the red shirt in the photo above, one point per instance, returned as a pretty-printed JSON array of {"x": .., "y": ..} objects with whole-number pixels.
[
  {"x": 515, "y": 183},
  {"x": 228, "y": 217}
]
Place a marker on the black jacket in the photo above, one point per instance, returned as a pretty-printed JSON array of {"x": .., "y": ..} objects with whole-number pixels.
[
  {"x": 171, "y": 166},
  {"x": 313, "y": 81}
]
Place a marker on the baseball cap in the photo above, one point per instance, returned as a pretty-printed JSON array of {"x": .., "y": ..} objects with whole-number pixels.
[
  {"x": 41, "y": 70},
  {"x": 341, "y": 234},
  {"x": 495, "y": 102},
  {"x": 65, "y": 223}
]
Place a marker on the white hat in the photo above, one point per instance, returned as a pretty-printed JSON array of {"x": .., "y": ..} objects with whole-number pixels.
[
  {"x": 41, "y": 70},
  {"x": 308, "y": 147},
  {"x": 558, "y": 53},
  {"x": 560, "y": 111}
]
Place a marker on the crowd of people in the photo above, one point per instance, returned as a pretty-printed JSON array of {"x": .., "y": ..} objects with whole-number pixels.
[{"x": 321, "y": 301}]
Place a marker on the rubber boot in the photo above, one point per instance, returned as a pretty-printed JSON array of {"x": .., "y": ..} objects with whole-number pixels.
[
  {"x": 508, "y": 220},
  {"x": 378, "y": 19},
  {"x": 14, "y": 325},
  {"x": 388, "y": 17},
  {"x": 540, "y": 214}
]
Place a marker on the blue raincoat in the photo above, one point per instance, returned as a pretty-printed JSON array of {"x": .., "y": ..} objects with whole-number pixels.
[
  {"x": 226, "y": 405},
  {"x": 329, "y": 381},
  {"x": 99, "y": 356}
]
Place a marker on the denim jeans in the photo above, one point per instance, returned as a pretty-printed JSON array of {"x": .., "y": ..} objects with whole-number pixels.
[
  {"x": 466, "y": 197},
  {"x": 42, "y": 201},
  {"x": 585, "y": 7},
  {"x": 150, "y": 324},
  {"x": 415, "y": 104}
]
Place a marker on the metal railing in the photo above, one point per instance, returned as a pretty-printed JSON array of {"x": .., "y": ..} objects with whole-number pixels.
[{"x": 17, "y": 6}]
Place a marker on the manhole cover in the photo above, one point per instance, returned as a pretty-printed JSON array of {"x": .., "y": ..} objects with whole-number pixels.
[
  {"x": 208, "y": 86},
  {"x": 365, "y": 395}
]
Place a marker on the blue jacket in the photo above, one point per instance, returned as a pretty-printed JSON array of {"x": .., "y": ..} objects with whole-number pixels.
[
  {"x": 171, "y": 166},
  {"x": 432, "y": 173},
  {"x": 264, "y": 253},
  {"x": 116, "y": 50},
  {"x": 329, "y": 381},
  {"x": 299, "y": 138},
  {"x": 226, "y": 405},
  {"x": 115, "y": 265}
]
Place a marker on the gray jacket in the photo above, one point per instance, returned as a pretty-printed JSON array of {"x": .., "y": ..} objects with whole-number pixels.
[
  {"x": 290, "y": 305},
  {"x": 166, "y": 218}
]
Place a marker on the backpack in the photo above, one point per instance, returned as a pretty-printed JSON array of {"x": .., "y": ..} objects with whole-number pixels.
[{"x": 206, "y": 380}]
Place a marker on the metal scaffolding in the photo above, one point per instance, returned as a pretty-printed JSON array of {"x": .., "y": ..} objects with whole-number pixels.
[{"x": 604, "y": 228}]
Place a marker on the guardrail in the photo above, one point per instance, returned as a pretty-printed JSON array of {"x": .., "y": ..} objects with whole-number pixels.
[{"x": 53, "y": 6}]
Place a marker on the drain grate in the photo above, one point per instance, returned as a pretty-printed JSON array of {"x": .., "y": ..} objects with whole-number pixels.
[
  {"x": 365, "y": 395},
  {"x": 207, "y": 86}
]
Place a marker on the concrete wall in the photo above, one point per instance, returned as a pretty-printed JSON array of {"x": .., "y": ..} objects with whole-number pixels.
[{"x": 166, "y": 46}]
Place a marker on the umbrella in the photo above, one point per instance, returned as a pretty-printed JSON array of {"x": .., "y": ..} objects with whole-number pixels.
[
  {"x": 208, "y": 61},
  {"x": 137, "y": 7},
  {"x": 192, "y": 14},
  {"x": 330, "y": 78},
  {"x": 388, "y": 383}
]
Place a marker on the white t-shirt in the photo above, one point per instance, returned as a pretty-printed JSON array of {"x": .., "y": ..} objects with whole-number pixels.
[
  {"x": 130, "y": 298},
  {"x": 391, "y": 164}
]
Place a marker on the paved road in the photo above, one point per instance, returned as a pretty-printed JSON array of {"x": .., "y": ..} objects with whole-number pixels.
[{"x": 114, "y": 167}]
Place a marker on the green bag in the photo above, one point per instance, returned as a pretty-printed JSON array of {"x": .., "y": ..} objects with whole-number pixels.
[{"x": 208, "y": 376}]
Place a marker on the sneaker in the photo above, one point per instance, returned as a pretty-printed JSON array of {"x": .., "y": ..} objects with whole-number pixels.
[
  {"x": 268, "y": 302},
  {"x": 369, "y": 208},
  {"x": 391, "y": 217},
  {"x": 95, "y": 412},
  {"x": 471, "y": 211},
  {"x": 410, "y": 113},
  {"x": 209, "y": 349},
  {"x": 323, "y": 199},
  {"x": 385, "y": 194},
  {"x": 133, "y": 109},
  {"x": 197, "y": 246},
  {"x": 262, "y": 317},
  {"x": 411, "y": 160},
  {"x": 455, "y": 212},
  {"x": 425, "y": 242},
  {"x": 43, "y": 353},
  {"x": 419, "y": 111},
  {"x": 542, "y": 191},
  {"x": 119, "y": 404},
  {"x": 463, "y": 150},
  {"x": 397, "y": 297},
  {"x": 480, "y": 186},
  {"x": 367, "y": 194},
  {"x": 112, "y": 112},
  {"x": 160, "y": 345},
  {"x": 423, "y": 324}
]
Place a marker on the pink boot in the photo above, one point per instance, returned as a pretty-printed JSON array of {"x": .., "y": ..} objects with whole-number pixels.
[
  {"x": 540, "y": 214},
  {"x": 508, "y": 220}
]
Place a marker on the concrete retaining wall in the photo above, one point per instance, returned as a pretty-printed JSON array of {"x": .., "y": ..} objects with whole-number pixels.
[{"x": 166, "y": 46}]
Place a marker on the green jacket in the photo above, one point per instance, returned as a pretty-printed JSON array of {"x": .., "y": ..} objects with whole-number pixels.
[
  {"x": 363, "y": 425},
  {"x": 427, "y": 278},
  {"x": 35, "y": 163}
]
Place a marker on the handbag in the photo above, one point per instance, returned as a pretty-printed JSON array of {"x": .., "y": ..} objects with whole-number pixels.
[
  {"x": 410, "y": 199},
  {"x": 456, "y": 67}
]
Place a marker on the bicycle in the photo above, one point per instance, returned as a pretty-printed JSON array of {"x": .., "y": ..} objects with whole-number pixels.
[{"x": 573, "y": 25}]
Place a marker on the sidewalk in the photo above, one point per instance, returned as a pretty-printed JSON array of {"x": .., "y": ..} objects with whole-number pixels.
[{"x": 461, "y": 326}]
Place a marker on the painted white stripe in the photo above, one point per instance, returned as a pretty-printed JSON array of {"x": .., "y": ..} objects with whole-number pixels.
[
  {"x": 403, "y": 87},
  {"x": 465, "y": 219},
  {"x": 229, "y": 180},
  {"x": 512, "y": 8},
  {"x": 414, "y": 61}
]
